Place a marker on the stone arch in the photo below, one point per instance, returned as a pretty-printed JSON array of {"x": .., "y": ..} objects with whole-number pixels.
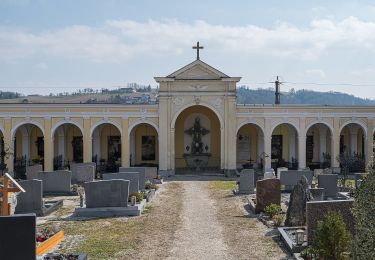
[
  {"x": 103, "y": 121},
  {"x": 296, "y": 128},
  {"x": 319, "y": 122},
  {"x": 177, "y": 114},
  {"x": 251, "y": 123},
  {"x": 63, "y": 122},
  {"x": 25, "y": 122},
  {"x": 139, "y": 122},
  {"x": 353, "y": 121}
]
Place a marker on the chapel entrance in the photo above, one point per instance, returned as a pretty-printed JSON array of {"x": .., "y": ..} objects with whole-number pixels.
[{"x": 197, "y": 141}]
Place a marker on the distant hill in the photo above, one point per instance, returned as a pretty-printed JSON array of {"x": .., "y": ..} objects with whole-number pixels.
[
  {"x": 147, "y": 95},
  {"x": 246, "y": 95}
]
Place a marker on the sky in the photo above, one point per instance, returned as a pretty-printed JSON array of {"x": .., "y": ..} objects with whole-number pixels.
[{"x": 64, "y": 45}]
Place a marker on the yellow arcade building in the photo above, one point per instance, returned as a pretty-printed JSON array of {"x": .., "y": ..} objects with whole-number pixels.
[{"x": 197, "y": 125}]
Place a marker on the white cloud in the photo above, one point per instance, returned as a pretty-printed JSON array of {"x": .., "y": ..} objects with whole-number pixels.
[
  {"x": 315, "y": 73},
  {"x": 119, "y": 40}
]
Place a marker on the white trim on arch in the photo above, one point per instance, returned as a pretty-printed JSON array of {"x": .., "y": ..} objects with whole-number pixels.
[
  {"x": 142, "y": 121},
  {"x": 65, "y": 121},
  {"x": 249, "y": 122},
  {"x": 287, "y": 123},
  {"x": 319, "y": 122},
  {"x": 361, "y": 124},
  {"x": 103, "y": 121},
  {"x": 25, "y": 122},
  {"x": 173, "y": 122}
]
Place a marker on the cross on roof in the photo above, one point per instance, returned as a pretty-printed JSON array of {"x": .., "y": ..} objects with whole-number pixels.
[{"x": 197, "y": 47}]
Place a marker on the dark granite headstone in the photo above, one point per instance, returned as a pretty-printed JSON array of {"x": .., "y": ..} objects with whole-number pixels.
[
  {"x": 109, "y": 193},
  {"x": 30, "y": 201},
  {"x": 142, "y": 174},
  {"x": 296, "y": 213},
  {"x": 267, "y": 192},
  {"x": 329, "y": 183},
  {"x": 17, "y": 239}
]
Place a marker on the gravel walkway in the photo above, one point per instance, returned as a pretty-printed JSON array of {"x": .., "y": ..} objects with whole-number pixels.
[{"x": 200, "y": 235}]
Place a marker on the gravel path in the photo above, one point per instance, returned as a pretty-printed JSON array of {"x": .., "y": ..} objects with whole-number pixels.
[{"x": 200, "y": 235}]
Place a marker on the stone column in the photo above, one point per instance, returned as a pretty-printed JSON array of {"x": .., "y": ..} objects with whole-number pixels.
[
  {"x": 125, "y": 143},
  {"x": 61, "y": 144},
  {"x": 353, "y": 130},
  {"x": 335, "y": 143},
  {"x": 302, "y": 152},
  {"x": 26, "y": 145},
  {"x": 132, "y": 143},
  {"x": 292, "y": 144},
  {"x": 322, "y": 142},
  {"x": 87, "y": 141},
  {"x": 9, "y": 142},
  {"x": 48, "y": 149},
  {"x": 267, "y": 152},
  {"x": 260, "y": 146}
]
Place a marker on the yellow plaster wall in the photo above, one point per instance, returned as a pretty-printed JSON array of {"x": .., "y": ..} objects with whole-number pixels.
[
  {"x": 145, "y": 130},
  {"x": 252, "y": 131},
  {"x": 106, "y": 131},
  {"x": 214, "y": 160}
]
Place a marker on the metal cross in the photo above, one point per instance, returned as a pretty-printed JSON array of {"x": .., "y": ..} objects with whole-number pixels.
[{"x": 197, "y": 48}]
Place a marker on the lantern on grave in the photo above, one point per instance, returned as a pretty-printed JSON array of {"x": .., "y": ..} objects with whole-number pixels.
[{"x": 300, "y": 236}]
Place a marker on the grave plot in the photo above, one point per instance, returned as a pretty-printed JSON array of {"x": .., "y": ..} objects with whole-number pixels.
[
  {"x": 31, "y": 201},
  {"x": 110, "y": 198}
]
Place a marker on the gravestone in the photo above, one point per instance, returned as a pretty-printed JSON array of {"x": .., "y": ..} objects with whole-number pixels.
[
  {"x": 336, "y": 170},
  {"x": 142, "y": 174},
  {"x": 151, "y": 173},
  {"x": 17, "y": 240},
  {"x": 108, "y": 193},
  {"x": 57, "y": 181},
  {"x": 269, "y": 174},
  {"x": 31, "y": 201},
  {"x": 33, "y": 171},
  {"x": 327, "y": 171},
  {"x": 317, "y": 210},
  {"x": 290, "y": 178},
  {"x": 317, "y": 172},
  {"x": 296, "y": 213},
  {"x": 267, "y": 192},
  {"x": 133, "y": 177},
  {"x": 246, "y": 181},
  {"x": 281, "y": 169},
  {"x": 329, "y": 183},
  {"x": 317, "y": 194},
  {"x": 83, "y": 172}
]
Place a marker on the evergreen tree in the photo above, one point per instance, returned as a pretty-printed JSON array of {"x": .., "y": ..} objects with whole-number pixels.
[
  {"x": 364, "y": 214},
  {"x": 332, "y": 239}
]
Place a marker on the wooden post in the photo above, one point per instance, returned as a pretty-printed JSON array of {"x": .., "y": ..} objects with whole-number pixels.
[{"x": 5, "y": 190}]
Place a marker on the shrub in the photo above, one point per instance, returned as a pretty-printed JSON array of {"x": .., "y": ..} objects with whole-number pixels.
[
  {"x": 272, "y": 210},
  {"x": 138, "y": 195},
  {"x": 363, "y": 211},
  {"x": 278, "y": 220},
  {"x": 332, "y": 239}
]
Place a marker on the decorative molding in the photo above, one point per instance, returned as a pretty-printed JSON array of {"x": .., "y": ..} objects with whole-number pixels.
[
  {"x": 198, "y": 87},
  {"x": 218, "y": 102},
  {"x": 197, "y": 100},
  {"x": 178, "y": 101}
]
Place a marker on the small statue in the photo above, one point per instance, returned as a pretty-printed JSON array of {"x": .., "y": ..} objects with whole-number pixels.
[{"x": 197, "y": 131}]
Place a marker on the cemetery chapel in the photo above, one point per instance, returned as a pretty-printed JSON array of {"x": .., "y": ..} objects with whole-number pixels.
[{"x": 196, "y": 125}]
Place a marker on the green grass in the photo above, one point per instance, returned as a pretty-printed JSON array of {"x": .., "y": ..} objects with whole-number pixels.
[
  {"x": 104, "y": 238},
  {"x": 222, "y": 185}
]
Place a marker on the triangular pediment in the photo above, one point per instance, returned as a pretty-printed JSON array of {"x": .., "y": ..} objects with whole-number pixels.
[{"x": 197, "y": 70}]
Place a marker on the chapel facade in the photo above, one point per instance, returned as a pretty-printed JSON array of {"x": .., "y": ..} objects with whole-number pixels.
[{"x": 196, "y": 125}]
